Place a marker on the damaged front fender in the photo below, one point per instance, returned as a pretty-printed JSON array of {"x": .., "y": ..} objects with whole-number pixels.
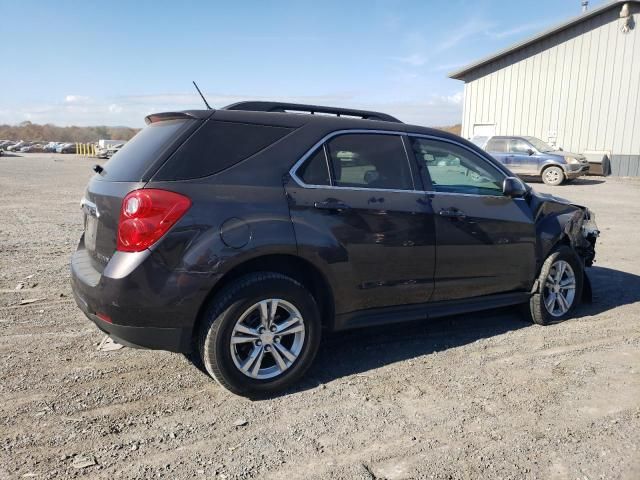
[{"x": 559, "y": 221}]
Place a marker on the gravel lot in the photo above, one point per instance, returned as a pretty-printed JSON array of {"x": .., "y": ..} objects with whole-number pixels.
[{"x": 475, "y": 396}]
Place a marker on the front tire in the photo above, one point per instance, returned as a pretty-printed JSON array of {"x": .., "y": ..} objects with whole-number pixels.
[
  {"x": 260, "y": 334},
  {"x": 559, "y": 287},
  {"x": 553, "y": 176}
]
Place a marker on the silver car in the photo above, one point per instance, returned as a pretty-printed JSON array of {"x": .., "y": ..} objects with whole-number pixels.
[{"x": 531, "y": 157}]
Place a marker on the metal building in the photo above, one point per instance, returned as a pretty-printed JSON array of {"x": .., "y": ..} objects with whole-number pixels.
[{"x": 576, "y": 86}]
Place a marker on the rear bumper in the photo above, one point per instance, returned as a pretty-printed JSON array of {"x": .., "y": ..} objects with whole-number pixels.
[
  {"x": 149, "y": 305},
  {"x": 171, "y": 339}
]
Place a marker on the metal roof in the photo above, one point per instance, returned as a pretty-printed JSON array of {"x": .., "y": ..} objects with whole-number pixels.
[{"x": 459, "y": 74}]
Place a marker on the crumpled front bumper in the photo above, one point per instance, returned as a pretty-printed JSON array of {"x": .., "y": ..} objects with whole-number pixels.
[{"x": 571, "y": 172}]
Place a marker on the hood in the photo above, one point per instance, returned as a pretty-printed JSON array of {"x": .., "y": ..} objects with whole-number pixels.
[
  {"x": 547, "y": 197},
  {"x": 564, "y": 153}
]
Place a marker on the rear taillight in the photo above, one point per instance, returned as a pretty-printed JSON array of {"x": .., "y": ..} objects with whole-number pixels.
[{"x": 146, "y": 215}]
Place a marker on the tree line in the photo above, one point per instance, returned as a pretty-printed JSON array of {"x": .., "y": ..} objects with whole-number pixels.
[{"x": 33, "y": 132}]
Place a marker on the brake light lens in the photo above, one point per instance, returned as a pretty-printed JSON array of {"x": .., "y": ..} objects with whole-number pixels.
[{"x": 146, "y": 215}]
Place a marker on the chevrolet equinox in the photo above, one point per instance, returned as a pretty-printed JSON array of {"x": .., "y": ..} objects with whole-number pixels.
[{"x": 241, "y": 234}]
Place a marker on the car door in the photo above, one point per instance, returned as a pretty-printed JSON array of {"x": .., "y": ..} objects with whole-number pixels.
[
  {"x": 355, "y": 209},
  {"x": 497, "y": 147},
  {"x": 522, "y": 159},
  {"x": 485, "y": 241}
]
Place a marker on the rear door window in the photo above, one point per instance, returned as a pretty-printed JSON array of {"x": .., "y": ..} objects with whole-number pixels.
[
  {"x": 497, "y": 145},
  {"x": 131, "y": 162},
  {"x": 373, "y": 161},
  {"x": 218, "y": 145}
]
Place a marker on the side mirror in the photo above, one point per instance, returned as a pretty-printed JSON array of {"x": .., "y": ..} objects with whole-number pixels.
[
  {"x": 530, "y": 152},
  {"x": 513, "y": 187}
]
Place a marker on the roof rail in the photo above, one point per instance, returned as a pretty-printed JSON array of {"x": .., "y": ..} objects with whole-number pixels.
[{"x": 256, "y": 106}]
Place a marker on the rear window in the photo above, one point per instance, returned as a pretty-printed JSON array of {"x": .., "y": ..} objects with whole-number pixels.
[
  {"x": 139, "y": 153},
  {"x": 218, "y": 145}
]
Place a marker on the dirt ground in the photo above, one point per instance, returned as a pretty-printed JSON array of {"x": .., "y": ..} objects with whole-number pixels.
[{"x": 475, "y": 396}]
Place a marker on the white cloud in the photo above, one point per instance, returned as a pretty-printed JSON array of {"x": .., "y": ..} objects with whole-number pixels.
[
  {"x": 462, "y": 31},
  {"x": 76, "y": 99},
  {"x": 525, "y": 27},
  {"x": 424, "y": 49},
  {"x": 434, "y": 110},
  {"x": 449, "y": 67},
  {"x": 415, "y": 59}
]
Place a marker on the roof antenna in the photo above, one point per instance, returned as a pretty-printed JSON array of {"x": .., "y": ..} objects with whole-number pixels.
[{"x": 201, "y": 95}]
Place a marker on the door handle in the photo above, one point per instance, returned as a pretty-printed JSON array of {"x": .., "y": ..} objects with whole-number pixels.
[
  {"x": 452, "y": 213},
  {"x": 332, "y": 205}
]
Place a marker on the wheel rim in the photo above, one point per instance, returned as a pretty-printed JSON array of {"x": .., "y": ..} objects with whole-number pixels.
[
  {"x": 552, "y": 175},
  {"x": 559, "y": 288},
  {"x": 267, "y": 339}
]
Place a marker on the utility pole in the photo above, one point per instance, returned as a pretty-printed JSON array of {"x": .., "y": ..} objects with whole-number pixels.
[{"x": 585, "y": 5}]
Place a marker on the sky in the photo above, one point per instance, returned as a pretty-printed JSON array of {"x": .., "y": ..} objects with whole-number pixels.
[{"x": 113, "y": 63}]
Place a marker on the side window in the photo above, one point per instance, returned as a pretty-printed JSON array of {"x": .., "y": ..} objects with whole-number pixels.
[
  {"x": 454, "y": 169},
  {"x": 314, "y": 171},
  {"x": 517, "y": 145},
  {"x": 497, "y": 145},
  {"x": 367, "y": 160},
  {"x": 218, "y": 145}
]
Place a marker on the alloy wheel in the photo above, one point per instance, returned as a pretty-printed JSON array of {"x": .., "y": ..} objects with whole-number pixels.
[
  {"x": 552, "y": 175},
  {"x": 267, "y": 339},
  {"x": 559, "y": 288}
]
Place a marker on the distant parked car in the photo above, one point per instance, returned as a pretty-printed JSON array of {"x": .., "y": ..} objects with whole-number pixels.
[
  {"x": 51, "y": 147},
  {"x": 531, "y": 157},
  {"x": 66, "y": 148},
  {"x": 109, "y": 151},
  {"x": 17, "y": 146},
  {"x": 33, "y": 148}
]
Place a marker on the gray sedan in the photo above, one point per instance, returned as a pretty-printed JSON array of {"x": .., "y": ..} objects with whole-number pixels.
[{"x": 531, "y": 157}]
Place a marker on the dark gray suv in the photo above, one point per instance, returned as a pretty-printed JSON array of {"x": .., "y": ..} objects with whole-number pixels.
[
  {"x": 531, "y": 157},
  {"x": 240, "y": 234}
]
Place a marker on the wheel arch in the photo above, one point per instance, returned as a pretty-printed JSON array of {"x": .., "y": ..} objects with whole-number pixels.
[{"x": 298, "y": 268}]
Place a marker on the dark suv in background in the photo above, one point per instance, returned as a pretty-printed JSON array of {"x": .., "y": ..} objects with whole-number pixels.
[{"x": 242, "y": 233}]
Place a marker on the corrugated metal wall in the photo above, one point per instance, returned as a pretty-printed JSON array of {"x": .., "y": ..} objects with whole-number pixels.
[{"x": 578, "y": 89}]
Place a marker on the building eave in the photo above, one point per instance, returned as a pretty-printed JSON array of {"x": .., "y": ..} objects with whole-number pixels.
[{"x": 461, "y": 73}]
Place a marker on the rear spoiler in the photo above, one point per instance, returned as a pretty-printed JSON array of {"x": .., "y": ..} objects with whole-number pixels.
[{"x": 184, "y": 115}]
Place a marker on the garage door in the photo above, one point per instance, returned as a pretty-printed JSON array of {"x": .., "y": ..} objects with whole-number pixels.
[{"x": 484, "y": 129}]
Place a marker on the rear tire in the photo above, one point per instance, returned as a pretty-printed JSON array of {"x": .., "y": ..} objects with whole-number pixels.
[
  {"x": 559, "y": 287},
  {"x": 260, "y": 334},
  {"x": 553, "y": 176}
]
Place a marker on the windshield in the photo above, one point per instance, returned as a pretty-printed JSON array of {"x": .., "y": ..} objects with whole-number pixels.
[{"x": 539, "y": 144}]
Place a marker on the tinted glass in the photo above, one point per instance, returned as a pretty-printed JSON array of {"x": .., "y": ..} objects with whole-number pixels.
[
  {"x": 517, "y": 145},
  {"x": 216, "y": 146},
  {"x": 370, "y": 161},
  {"x": 138, "y": 154},
  {"x": 314, "y": 171},
  {"x": 454, "y": 169},
  {"x": 498, "y": 145}
]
